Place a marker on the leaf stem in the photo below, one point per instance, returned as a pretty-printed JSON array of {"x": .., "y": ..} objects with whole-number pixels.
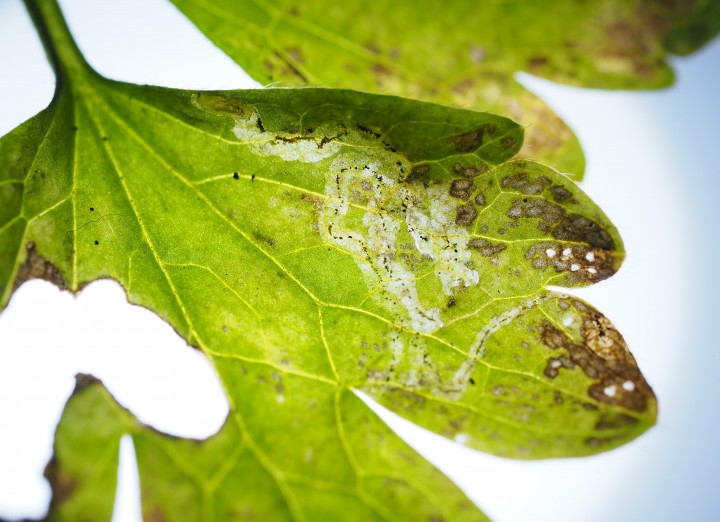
[{"x": 65, "y": 57}]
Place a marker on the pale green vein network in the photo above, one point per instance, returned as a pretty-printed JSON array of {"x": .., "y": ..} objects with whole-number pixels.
[
  {"x": 223, "y": 213},
  {"x": 260, "y": 456},
  {"x": 294, "y": 510}
]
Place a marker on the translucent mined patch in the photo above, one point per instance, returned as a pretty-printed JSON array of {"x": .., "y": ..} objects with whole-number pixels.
[
  {"x": 369, "y": 181},
  {"x": 248, "y": 128},
  {"x": 374, "y": 244},
  {"x": 436, "y": 235},
  {"x": 289, "y": 147},
  {"x": 477, "y": 349}
]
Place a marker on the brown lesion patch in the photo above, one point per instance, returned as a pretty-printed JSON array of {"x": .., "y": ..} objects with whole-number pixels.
[
  {"x": 588, "y": 252},
  {"x": 381, "y": 73},
  {"x": 575, "y": 227},
  {"x": 485, "y": 247},
  {"x": 615, "y": 422},
  {"x": 632, "y": 46},
  {"x": 37, "y": 267},
  {"x": 296, "y": 55},
  {"x": 219, "y": 104},
  {"x": 597, "y": 442},
  {"x": 461, "y": 188},
  {"x": 537, "y": 62},
  {"x": 470, "y": 171},
  {"x": 269, "y": 241},
  {"x": 466, "y": 215},
  {"x": 317, "y": 207},
  {"x": 62, "y": 484},
  {"x": 547, "y": 214},
  {"x": 603, "y": 356},
  {"x": 419, "y": 173},
  {"x": 555, "y": 363},
  {"x": 560, "y": 193},
  {"x": 471, "y": 140},
  {"x": 522, "y": 182},
  {"x": 156, "y": 515},
  {"x": 582, "y": 263}
]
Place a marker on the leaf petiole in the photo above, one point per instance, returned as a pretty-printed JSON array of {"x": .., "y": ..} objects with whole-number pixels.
[{"x": 65, "y": 56}]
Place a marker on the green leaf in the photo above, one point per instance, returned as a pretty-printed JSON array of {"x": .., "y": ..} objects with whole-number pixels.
[
  {"x": 228, "y": 477},
  {"x": 311, "y": 242},
  {"x": 462, "y": 53}
]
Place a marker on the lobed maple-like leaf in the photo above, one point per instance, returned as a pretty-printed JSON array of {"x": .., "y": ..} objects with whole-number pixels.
[{"x": 312, "y": 242}]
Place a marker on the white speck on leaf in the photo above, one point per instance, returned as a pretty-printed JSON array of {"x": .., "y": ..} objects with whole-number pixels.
[
  {"x": 610, "y": 391},
  {"x": 461, "y": 438}
]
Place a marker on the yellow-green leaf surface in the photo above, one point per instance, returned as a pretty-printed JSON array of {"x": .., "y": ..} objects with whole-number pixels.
[
  {"x": 229, "y": 478},
  {"x": 463, "y": 53},
  {"x": 311, "y": 242}
]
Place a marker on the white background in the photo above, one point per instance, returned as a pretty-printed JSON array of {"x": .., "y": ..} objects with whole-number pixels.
[{"x": 651, "y": 167}]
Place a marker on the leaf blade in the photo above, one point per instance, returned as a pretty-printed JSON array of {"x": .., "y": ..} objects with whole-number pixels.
[
  {"x": 230, "y": 213},
  {"x": 220, "y": 478}
]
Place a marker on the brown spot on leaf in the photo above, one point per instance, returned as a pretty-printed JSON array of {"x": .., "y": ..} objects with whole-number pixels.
[
  {"x": 218, "y": 103},
  {"x": 61, "y": 482},
  {"x": 548, "y": 213},
  {"x": 537, "y": 61},
  {"x": 156, "y": 515},
  {"x": 418, "y": 173},
  {"x": 508, "y": 142},
  {"x": 469, "y": 171},
  {"x": 265, "y": 239},
  {"x": 468, "y": 141},
  {"x": 296, "y": 54},
  {"x": 575, "y": 227},
  {"x": 485, "y": 247},
  {"x": 84, "y": 381},
  {"x": 522, "y": 182},
  {"x": 466, "y": 215},
  {"x": 460, "y": 188},
  {"x": 36, "y": 267},
  {"x": 596, "y": 442},
  {"x": 539, "y": 263},
  {"x": 560, "y": 193},
  {"x": 381, "y": 73},
  {"x": 593, "y": 442},
  {"x": 615, "y": 422}
]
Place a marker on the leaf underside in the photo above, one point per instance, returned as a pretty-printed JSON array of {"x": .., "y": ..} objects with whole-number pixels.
[
  {"x": 463, "y": 53},
  {"x": 312, "y": 242}
]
